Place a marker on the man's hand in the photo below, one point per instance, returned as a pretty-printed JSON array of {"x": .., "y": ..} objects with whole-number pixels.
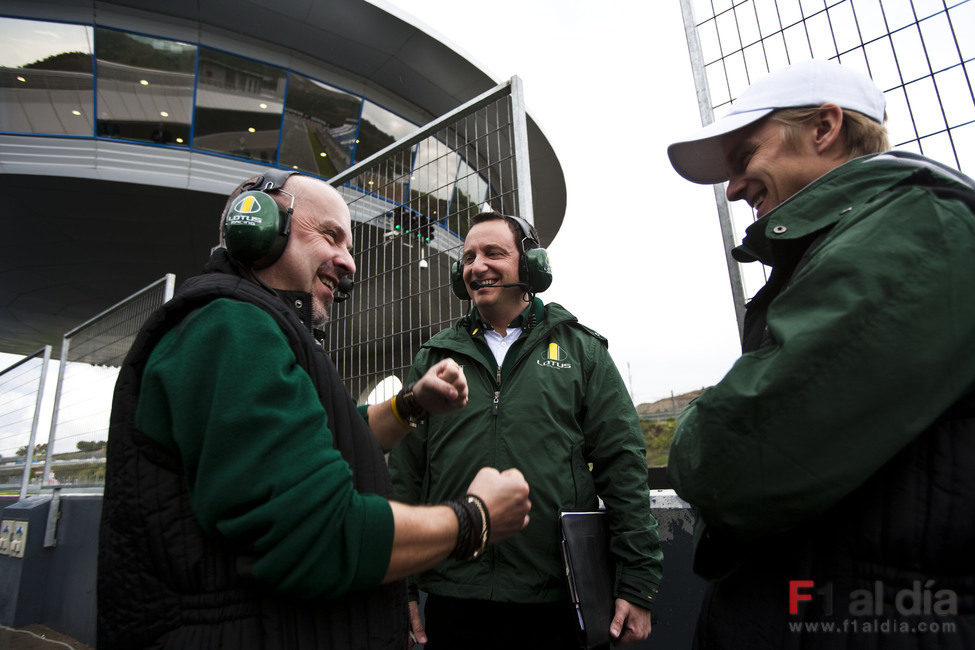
[
  {"x": 506, "y": 496},
  {"x": 631, "y": 623},
  {"x": 442, "y": 388},
  {"x": 416, "y": 625},
  {"x": 426, "y": 535}
]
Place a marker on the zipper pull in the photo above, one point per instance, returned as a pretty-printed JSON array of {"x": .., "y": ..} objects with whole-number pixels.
[{"x": 497, "y": 393}]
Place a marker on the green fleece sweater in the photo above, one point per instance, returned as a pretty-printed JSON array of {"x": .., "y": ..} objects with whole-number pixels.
[{"x": 224, "y": 392}]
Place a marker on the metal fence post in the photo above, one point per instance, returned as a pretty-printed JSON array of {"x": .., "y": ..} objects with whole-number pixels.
[
  {"x": 62, "y": 364},
  {"x": 519, "y": 120},
  {"x": 721, "y": 202},
  {"x": 25, "y": 481}
]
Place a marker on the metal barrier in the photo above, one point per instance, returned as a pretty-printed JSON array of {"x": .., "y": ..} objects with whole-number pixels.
[
  {"x": 410, "y": 203},
  {"x": 919, "y": 53},
  {"x": 91, "y": 355},
  {"x": 21, "y": 397}
]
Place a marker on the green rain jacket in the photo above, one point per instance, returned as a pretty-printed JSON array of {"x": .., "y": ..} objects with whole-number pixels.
[
  {"x": 865, "y": 346},
  {"x": 557, "y": 404}
]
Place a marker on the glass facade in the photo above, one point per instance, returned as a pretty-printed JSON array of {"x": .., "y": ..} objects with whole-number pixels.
[
  {"x": 238, "y": 106},
  {"x": 321, "y": 125},
  {"x": 378, "y": 129},
  {"x": 145, "y": 87},
  {"x": 97, "y": 82},
  {"x": 45, "y": 77}
]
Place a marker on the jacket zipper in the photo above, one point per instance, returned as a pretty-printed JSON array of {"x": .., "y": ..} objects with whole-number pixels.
[
  {"x": 492, "y": 552},
  {"x": 497, "y": 392}
]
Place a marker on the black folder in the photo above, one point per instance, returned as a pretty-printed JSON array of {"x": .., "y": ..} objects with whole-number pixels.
[{"x": 590, "y": 573}]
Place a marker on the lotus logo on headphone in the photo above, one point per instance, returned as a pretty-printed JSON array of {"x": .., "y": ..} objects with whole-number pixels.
[
  {"x": 255, "y": 227},
  {"x": 247, "y": 205}
]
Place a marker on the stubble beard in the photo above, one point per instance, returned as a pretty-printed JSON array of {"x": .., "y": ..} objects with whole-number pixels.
[{"x": 319, "y": 313}]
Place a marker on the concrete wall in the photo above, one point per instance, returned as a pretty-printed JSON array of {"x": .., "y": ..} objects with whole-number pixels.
[
  {"x": 55, "y": 585},
  {"x": 681, "y": 591}
]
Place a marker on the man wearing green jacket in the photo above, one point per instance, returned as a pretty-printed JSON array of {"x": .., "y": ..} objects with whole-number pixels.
[
  {"x": 246, "y": 500},
  {"x": 545, "y": 396},
  {"x": 831, "y": 468}
]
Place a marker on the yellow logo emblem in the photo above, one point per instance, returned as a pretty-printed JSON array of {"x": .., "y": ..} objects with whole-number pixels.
[
  {"x": 247, "y": 205},
  {"x": 555, "y": 357}
]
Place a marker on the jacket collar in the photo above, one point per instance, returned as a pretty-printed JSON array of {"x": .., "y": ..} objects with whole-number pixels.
[
  {"x": 460, "y": 336},
  {"x": 536, "y": 308},
  {"x": 838, "y": 194},
  {"x": 300, "y": 304},
  {"x": 298, "y": 301}
]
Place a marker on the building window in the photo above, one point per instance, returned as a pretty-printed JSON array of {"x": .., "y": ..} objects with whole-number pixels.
[
  {"x": 320, "y": 127},
  {"x": 55, "y": 77},
  {"x": 145, "y": 87},
  {"x": 379, "y": 129},
  {"x": 45, "y": 78},
  {"x": 238, "y": 106}
]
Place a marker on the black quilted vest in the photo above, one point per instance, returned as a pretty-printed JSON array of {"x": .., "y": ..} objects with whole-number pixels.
[{"x": 162, "y": 582}]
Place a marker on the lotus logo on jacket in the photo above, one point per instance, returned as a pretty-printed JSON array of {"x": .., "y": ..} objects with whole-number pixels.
[{"x": 554, "y": 357}]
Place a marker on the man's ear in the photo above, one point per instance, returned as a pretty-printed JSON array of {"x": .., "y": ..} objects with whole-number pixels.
[{"x": 829, "y": 128}]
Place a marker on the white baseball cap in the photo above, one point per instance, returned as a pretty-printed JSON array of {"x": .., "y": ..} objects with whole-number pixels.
[{"x": 699, "y": 158}]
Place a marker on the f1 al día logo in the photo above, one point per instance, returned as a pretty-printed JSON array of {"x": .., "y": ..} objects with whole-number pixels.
[
  {"x": 554, "y": 357},
  {"x": 918, "y": 599}
]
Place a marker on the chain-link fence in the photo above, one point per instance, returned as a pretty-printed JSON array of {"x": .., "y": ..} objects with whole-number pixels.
[
  {"x": 921, "y": 53},
  {"x": 410, "y": 204},
  {"x": 21, "y": 398},
  {"x": 91, "y": 355}
]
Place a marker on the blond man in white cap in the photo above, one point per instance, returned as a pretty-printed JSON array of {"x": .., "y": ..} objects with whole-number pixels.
[{"x": 831, "y": 468}]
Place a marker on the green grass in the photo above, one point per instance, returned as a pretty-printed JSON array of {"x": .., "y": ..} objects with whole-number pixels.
[{"x": 657, "y": 437}]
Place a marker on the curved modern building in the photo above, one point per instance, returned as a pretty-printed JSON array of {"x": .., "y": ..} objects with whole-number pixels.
[{"x": 124, "y": 124}]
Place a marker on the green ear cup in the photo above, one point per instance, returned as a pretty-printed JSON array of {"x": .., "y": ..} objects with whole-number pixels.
[
  {"x": 539, "y": 270},
  {"x": 255, "y": 229},
  {"x": 457, "y": 281}
]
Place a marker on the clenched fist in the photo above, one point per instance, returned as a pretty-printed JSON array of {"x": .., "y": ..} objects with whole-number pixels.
[{"x": 506, "y": 496}]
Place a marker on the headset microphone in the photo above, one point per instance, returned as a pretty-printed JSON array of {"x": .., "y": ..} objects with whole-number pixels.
[
  {"x": 475, "y": 285},
  {"x": 343, "y": 290}
]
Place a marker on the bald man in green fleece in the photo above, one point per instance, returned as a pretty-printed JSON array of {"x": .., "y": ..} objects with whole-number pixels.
[{"x": 246, "y": 498}]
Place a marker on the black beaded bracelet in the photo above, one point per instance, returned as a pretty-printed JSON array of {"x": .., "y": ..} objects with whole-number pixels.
[
  {"x": 466, "y": 544},
  {"x": 485, "y": 521},
  {"x": 408, "y": 407}
]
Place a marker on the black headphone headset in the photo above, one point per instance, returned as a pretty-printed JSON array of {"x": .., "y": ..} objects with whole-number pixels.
[
  {"x": 534, "y": 270},
  {"x": 256, "y": 228}
]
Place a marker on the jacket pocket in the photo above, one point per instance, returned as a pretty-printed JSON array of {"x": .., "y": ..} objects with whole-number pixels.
[{"x": 585, "y": 488}]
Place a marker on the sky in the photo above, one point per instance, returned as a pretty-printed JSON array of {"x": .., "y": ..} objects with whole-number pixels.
[{"x": 639, "y": 256}]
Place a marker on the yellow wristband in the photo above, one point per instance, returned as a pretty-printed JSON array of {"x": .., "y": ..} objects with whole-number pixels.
[{"x": 399, "y": 418}]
